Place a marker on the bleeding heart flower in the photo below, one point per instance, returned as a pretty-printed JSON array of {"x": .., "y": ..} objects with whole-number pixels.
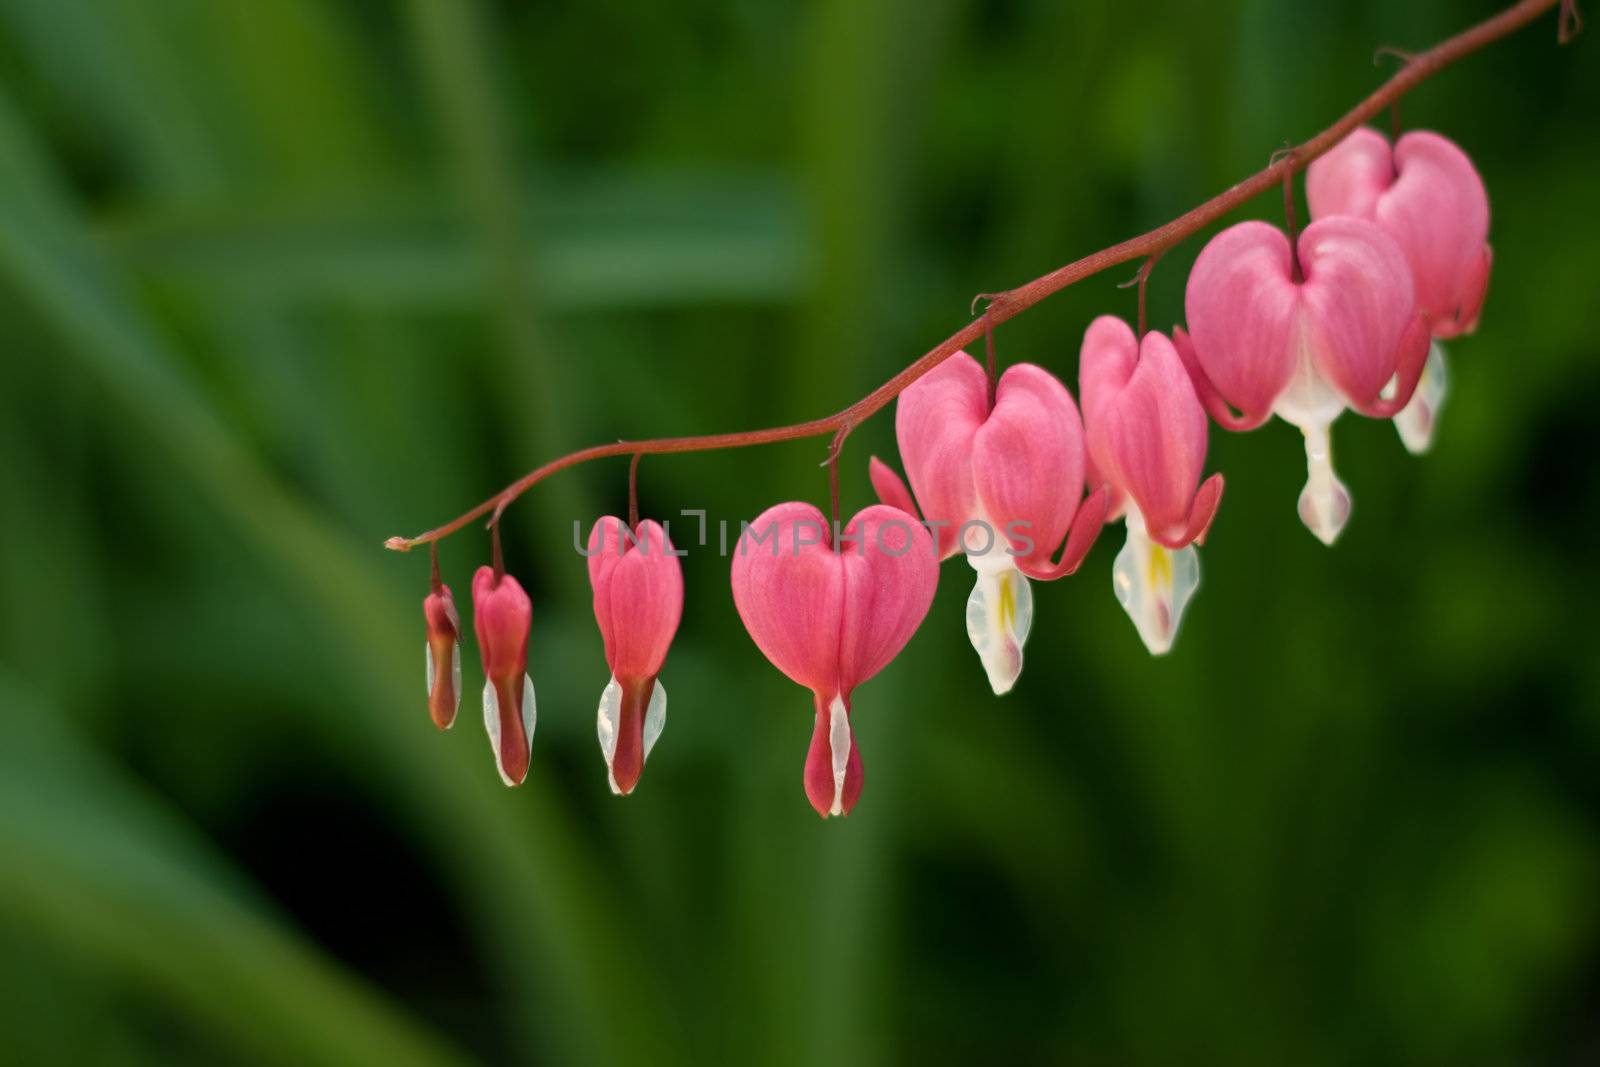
[
  {"x": 444, "y": 656},
  {"x": 1146, "y": 436},
  {"x": 1001, "y": 483},
  {"x": 830, "y": 616},
  {"x": 638, "y": 600},
  {"x": 1304, "y": 337},
  {"x": 1427, "y": 195},
  {"x": 502, "y": 616}
]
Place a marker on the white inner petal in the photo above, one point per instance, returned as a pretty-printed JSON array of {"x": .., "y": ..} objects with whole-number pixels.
[
  {"x": 455, "y": 675},
  {"x": 491, "y": 726},
  {"x": 999, "y": 616},
  {"x": 655, "y": 717},
  {"x": 839, "y": 748},
  {"x": 607, "y": 725},
  {"x": 1154, "y": 584},
  {"x": 427, "y": 651},
  {"x": 491, "y": 721},
  {"x": 530, "y": 713},
  {"x": 1324, "y": 502},
  {"x": 1417, "y": 419}
]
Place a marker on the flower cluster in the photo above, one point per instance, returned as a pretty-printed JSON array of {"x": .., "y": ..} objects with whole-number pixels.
[{"x": 1008, "y": 473}]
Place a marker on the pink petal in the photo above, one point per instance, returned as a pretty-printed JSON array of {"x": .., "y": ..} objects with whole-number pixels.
[
  {"x": 1146, "y": 430},
  {"x": 792, "y": 601},
  {"x": 638, "y": 595},
  {"x": 890, "y": 574},
  {"x": 1438, "y": 212},
  {"x": 936, "y": 419},
  {"x": 1241, "y": 304},
  {"x": 1206, "y": 501},
  {"x": 1027, "y": 461},
  {"x": 1086, "y": 527},
  {"x": 1350, "y": 178},
  {"x": 890, "y": 489},
  {"x": 1465, "y": 319},
  {"x": 1410, "y": 359},
  {"x": 1357, "y": 303},
  {"x": 1210, "y": 399}
]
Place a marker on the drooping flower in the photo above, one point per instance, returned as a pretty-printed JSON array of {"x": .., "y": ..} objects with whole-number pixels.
[
  {"x": 444, "y": 656},
  {"x": 830, "y": 613},
  {"x": 1146, "y": 437},
  {"x": 1304, "y": 333},
  {"x": 1001, "y": 483},
  {"x": 1427, "y": 195},
  {"x": 502, "y": 615},
  {"x": 638, "y": 600}
]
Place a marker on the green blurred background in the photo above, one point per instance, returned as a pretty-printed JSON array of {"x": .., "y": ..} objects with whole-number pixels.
[{"x": 280, "y": 278}]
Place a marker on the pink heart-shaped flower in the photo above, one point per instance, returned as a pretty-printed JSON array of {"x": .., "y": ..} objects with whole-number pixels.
[
  {"x": 1264, "y": 338},
  {"x": 830, "y": 616}
]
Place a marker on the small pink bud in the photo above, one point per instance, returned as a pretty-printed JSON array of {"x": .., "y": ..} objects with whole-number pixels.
[
  {"x": 832, "y": 616},
  {"x": 444, "y": 656},
  {"x": 503, "y": 617},
  {"x": 638, "y": 600}
]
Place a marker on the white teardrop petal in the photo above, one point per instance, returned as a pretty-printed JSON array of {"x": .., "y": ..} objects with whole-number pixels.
[
  {"x": 999, "y": 616},
  {"x": 491, "y": 721},
  {"x": 1417, "y": 420},
  {"x": 839, "y": 748},
  {"x": 1154, "y": 584},
  {"x": 491, "y": 726},
  {"x": 427, "y": 654},
  {"x": 607, "y": 725},
  {"x": 655, "y": 717},
  {"x": 1324, "y": 502},
  {"x": 455, "y": 678},
  {"x": 530, "y": 712}
]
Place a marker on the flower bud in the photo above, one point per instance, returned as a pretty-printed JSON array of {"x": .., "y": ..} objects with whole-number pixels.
[
  {"x": 638, "y": 600},
  {"x": 502, "y": 617},
  {"x": 444, "y": 656}
]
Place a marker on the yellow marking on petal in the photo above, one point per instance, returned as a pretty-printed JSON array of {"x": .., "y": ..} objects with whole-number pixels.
[
  {"x": 1007, "y": 607},
  {"x": 1160, "y": 567}
]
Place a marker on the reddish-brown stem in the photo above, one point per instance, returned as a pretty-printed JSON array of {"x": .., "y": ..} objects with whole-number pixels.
[
  {"x": 988, "y": 355},
  {"x": 1144, "y": 282},
  {"x": 1571, "y": 21},
  {"x": 1417, "y": 69},
  {"x": 834, "y": 448},
  {"x": 499, "y": 557},
  {"x": 1290, "y": 222},
  {"x": 633, "y": 491},
  {"x": 433, "y": 560}
]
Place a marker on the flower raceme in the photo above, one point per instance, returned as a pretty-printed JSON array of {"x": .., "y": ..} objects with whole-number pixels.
[
  {"x": 830, "y": 612},
  {"x": 1001, "y": 482},
  {"x": 1425, "y": 194},
  {"x": 638, "y": 601},
  {"x": 1304, "y": 332},
  {"x": 1146, "y": 437},
  {"x": 502, "y": 616},
  {"x": 444, "y": 656}
]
